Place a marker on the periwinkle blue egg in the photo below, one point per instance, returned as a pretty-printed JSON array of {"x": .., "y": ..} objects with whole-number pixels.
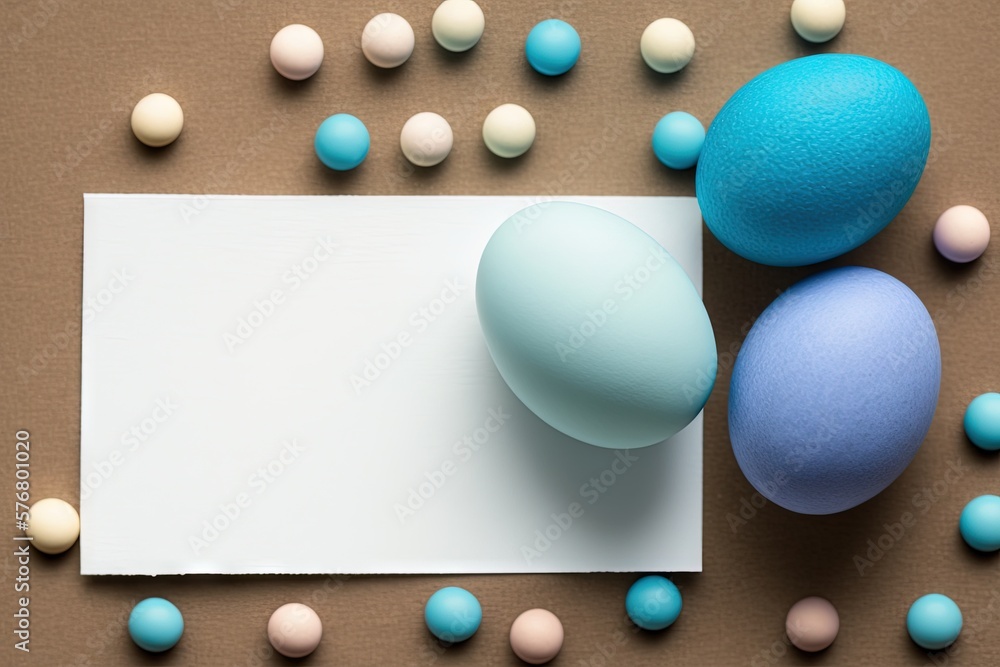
[
  {"x": 594, "y": 326},
  {"x": 812, "y": 158},
  {"x": 834, "y": 390}
]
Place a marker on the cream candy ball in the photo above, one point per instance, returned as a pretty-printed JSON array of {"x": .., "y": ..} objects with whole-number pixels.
[
  {"x": 53, "y": 525},
  {"x": 509, "y": 130},
  {"x": 387, "y": 40},
  {"x": 812, "y": 624},
  {"x": 667, "y": 45},
  {"x": 962, "y": 233},
  {"x": 818, "y": 20},
  {"x": 426, "y": 139},
  {"x": 536, "y": 636},
  {"x": 296, "y": 51},
  {"x": 157, "y": 120},
  {"x": 458, "y": 24}
]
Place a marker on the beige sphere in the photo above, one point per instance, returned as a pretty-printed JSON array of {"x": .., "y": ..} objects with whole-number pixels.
[
  {"x": 458, "y": 24},
  {"x": 387, "y": 40},
  {"x": 509, "y": 130},
  {"x": 536, "y": 636},
  {"x": 812, "y": 624},
  {"x": 667, "y": 45},
  {"x": 426, "y": 139},
  {"x": 296, "y": 52},
  {"x": 53, "y": 525},
  {"x": 157, "y": 120},
  {"x": 818, "y": 20}
]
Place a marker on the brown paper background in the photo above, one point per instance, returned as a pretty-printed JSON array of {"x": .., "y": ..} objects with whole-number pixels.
[{"x": 71, "y": 72}]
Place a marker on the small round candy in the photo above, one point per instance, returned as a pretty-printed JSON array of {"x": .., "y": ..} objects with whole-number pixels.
[
  {"x": 155, "y": 624},
  {"x": 157, "y": 120},
  {"x": 426, "y": 139},
  {"x": 53, "y": 525},
  {"x": 653, "y": 602},
  {"x": 509, "y": 130},
  {"x": 342, "y": 142},
  {"x": 296, "y": 51},
  {"x": 536, "y": 636},
  {"x": 812, "y": 624},
  {"x": 980, "y": 523},
  {"x": 667, "y": 45},
  {"x": 982, "y": 421},
  {"x": 453, "y": 614},
  {"x": 818, "y": 20},
  {"x": 677, "y": 140},
  {"x": 458, "y": 24},
  {"x": 294, "y": 630},
  {"x": 962, "y": 233},
  {"x": 934, "y": 621},
  {"x": 387, "y": 40},
  {"x": 552, "y": 47}
]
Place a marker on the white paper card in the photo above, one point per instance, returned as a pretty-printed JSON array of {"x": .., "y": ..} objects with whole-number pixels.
[{"x": 301, "y": 385}]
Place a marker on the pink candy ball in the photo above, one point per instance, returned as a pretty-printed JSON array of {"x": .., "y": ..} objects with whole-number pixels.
[
  {"x": 536, "y": 636},
  {"x": 962, "y": 233},
  {"x": 812, "y": 624},
  {"x": 294, "y": 630}
]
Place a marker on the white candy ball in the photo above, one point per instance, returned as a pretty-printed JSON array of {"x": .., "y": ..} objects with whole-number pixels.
[
  {"x": 53, "y": 525},
  {"x": 426, "y": 139},
  {"x": 296, "y": 51},
  {"x": 667, "y": 45},
  {"x": 157, "y": 120},
  {"x": 458, "y": 24},
  {"x": 387, "y": 40},
  {"x": 509, "y": 130},
  {"x": 818, "y": 20}
]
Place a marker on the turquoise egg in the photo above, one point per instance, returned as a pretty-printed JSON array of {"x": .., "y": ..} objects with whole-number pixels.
[
  {"x": 812, "y": 158},
  {"x": 594, "y": 326}
]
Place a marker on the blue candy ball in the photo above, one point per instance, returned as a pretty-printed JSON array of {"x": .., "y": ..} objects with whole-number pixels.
[
  {"x": 833, "y": 390},
  {"x": 653, "y": 602},
  {"x": 812, "y": 158},
  {"x": 342, "y": 142},
  {"x": 980, "y": 523},
  {"x": 552, "y": 47},
  {"x": 453, "y": 614},
  {"x": 934, "y": 621},
  {"x": 677, "y": 140},
  {"x": 982, "y": 421},
  {"x": 155, "y": 624}
]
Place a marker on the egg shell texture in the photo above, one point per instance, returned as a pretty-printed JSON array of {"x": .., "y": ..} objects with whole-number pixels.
[
  {"x": 834, "y": 390},
  {"x": 812, "y": 158}
]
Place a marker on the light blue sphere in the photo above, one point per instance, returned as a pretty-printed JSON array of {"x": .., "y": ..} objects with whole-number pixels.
[
  {"x": 812, "y": 158},
  {"x": 453, "y": 614},
  {"x": 677, "y": 140},
  {"x": 155, "y": 625},
  {"x": 833, "y": 390},
  {"x": 552, "y": 47},
  {"x": 934, "y": 621},
  {"x": 980, "y": 523},
  {"x": 653, "y": 602},
  {"x": 982, "y": 421},
  {"x": 342, "y": 142}
]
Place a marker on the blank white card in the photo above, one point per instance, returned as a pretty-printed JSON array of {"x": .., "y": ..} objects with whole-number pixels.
[{"x": 301, "y": 385}]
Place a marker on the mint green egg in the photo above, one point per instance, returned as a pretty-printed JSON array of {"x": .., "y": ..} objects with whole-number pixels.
[{"x": 594, "y": 326}]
